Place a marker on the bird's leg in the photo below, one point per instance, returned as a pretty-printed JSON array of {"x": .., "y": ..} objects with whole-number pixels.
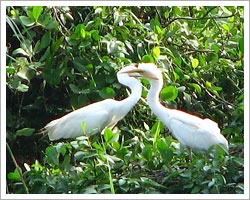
[{"x": 190, "y": 153}]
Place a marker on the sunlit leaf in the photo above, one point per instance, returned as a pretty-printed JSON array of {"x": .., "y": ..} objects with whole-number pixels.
[
  {"x": 147, "y": 153},
  {"x": 20, "y": 51},
  {"x": 52, "y": 154},
  {"x": 108, "y": 135},
  {"x": 27, "y": 21},
  {"x": 14, "y": 175},
  {"x": 25, "y": 132},
  {"x": 37, "y": 10},
  {"x": 22, "y": 88},
  {"x": 241, "y": 44},
  {"x": 195, "y": 63},
  {"x": 83, "y": 125},
  {"x": 169, "y": 93},
  {"x": 45, "y": 41},
  {"x": 196, "y": 86},
  {"x": 147, "y": 59},
  {"x": 107, "y": 93},
  {"x": 156, "y": 52}
]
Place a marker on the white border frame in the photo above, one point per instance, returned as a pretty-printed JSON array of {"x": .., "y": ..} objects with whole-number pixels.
[{"x": 124, "y": 196}]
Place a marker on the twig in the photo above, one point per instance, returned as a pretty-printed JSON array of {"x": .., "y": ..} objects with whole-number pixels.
[
  {"x": 232, "y": 59},
  {"x": 18, "y": 168},
  {"x": 54, "y": 9},
  {"x": 198, "y": 51},
  {"x": 200, "y": 18},
  {"x": 191, "y": 50},
  {"x": 157, "y": 11},
  {"x": 209, "y": 94}
]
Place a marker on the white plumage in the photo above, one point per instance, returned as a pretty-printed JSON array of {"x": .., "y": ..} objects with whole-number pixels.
[
  {"x": 190, "y": 130},
  {"x": 98, "y": 115}
]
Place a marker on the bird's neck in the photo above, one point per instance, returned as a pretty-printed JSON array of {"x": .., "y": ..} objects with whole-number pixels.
[
  {"x": 153, "y": 99},
  {"x": 133, "y": 98},
  {"x": 135, "y": 95}
]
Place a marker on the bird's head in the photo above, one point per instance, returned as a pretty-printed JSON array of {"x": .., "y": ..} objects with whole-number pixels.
[
  {"x": 129, "y": 70},
  {"x": 146, "y": 70},
  {"x": 127, "y": 76}
]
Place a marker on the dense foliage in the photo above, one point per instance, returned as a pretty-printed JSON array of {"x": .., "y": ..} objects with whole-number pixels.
[{"x": 62, "y": 58}]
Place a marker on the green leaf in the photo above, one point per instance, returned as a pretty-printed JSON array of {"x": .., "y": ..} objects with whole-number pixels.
[
  {"x": 116, "y": 145},
  {"x": 147, "y": 59},
  {"x": 181, "y": 89},
  {"x": 158, "y": 126},
  {"x": 107, "y": 93},
  {"x": 175, "y": 52},
  {"x": 26, "y": 73},
  {"x": 82, "y": 155},
  {"x": 25, "y": 132},
  {"x": 83, "y": 125},
  {"x": 241, "y": 44},
  {"x": 212, "y": 58},
  {"x": 166, "y": 14},
  {"x": 95, "y": 35},
  {"x": 225, "y": 27},
  {"x": 38, "y": 43},
  {"x": 97, "y": 146},
  {"x": 75, "y": 89},
  {"x": 79, "y": 32},
  {"x": 147, "y": 152},
  {"x": 66, "y": 161},
  {"x": 83, "y": 33},
  {"x": 196, "y": 190},
  {"x": 108, "y": 135},
  {"x": 196, "y": 87},
  {"x": 90, "y": 190},
  {"x": 52, "y": 25},
  {"x": 167, "y": 155},
  {"x": 156, "y": 52},
  {"x": 52, "y": 155},
  {"x": 195, "y": 63},
  {"x": 14, "y": 175},
  {"x": 20, "y": 51},
  {"x": 56, "y": 45},
  {"x": 22, "y": 88},
  {"x": 45, "y": 41},
  {"x": 10, "y": 70},
  {"x": 225, "y": 10},
  {"x": 52, "y": 76},
  {"x": 37, "y": 10},
  {"x": 215, "y": 48},
  {"x": 169, "y": 93},
  {"x": 27, "y": 21},
  {"x": 45, "y": 55},
  {"x": 161, "y": 145},
  {"x": 177, "y": 11},
  {"x": 208, "y": 84},
  {"x": 216, "y": 88},
  {"x": 178, "y": 62}
]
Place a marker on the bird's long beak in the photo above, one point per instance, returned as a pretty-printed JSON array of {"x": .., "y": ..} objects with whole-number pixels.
[{"x": 140, "y": 73}]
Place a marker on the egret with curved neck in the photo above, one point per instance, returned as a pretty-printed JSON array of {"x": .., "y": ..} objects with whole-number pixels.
[
  {"x": 100, "y": 115},
  {"x": 190, "y": 130}
]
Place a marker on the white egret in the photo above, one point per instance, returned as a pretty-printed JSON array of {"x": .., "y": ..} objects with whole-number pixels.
[
  {"x": 100, "y": 115},
  {"x": 190, "y": 130}
]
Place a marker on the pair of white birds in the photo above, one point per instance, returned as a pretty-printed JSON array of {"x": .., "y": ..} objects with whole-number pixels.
[{"x": 190, "y": 130}]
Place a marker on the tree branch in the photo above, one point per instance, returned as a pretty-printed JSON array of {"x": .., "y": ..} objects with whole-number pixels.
[
  {"x": 200, "y": 18},
  {"x": 219, "y": 100},
  {"x": 19, "y": 170}
]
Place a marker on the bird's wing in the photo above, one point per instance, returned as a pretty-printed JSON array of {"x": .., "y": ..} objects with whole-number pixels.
[
  {"x": 195, "y": 132},
  {"x": 187, "y": 119},
  {"x": 95, "y": 116}
]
